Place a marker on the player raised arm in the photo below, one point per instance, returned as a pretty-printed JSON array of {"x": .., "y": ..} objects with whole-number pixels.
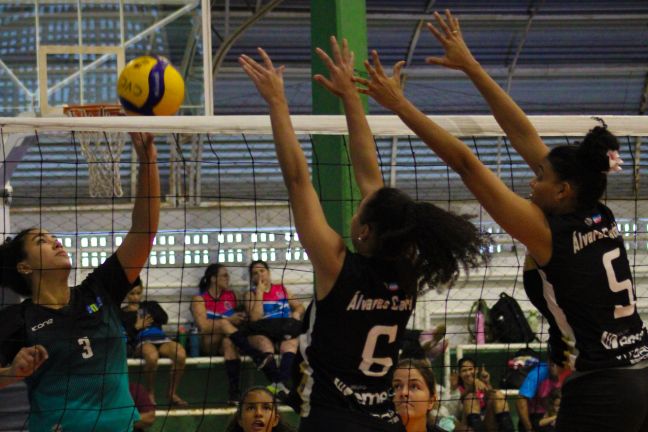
[
  {"x": 362, "y": 146},
  {"x": 519, "y": 217},
  {"x": 522, "y": 134},
  {"x": 323, "y": 245},
  {"x": 135, "y": 249}
]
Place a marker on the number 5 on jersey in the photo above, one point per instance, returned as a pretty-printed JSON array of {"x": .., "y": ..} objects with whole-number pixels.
[
  {"x": 623, "y": 310},
  {"x": 87, "y": 348}
]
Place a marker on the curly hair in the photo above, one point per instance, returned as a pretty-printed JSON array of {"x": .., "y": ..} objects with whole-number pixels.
[
  {"x": 585, "y": 165},
  {"x": 12, "y": 251},
  {"x": 428, "y": 245}
]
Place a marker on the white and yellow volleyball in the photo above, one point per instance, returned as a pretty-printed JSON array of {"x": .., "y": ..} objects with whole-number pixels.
[{"x": 150, "y": 85}]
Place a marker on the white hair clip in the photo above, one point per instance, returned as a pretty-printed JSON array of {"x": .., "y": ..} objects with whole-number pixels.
[{"x": 615, "y": 161}]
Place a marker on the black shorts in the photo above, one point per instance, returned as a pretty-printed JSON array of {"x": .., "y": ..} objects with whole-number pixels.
[
  {"x": 276, "y": 329},
  {"x": 612, "y": 400},
  {"x": 327, "y": 420}
]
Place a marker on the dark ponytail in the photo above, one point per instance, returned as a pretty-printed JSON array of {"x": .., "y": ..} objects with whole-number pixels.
[
  {"x": 12, "y": 251},
  {"x": 210, "y": 271},
  {"x": 428, "y": 245},
  {"x": 585, "y": 165}
]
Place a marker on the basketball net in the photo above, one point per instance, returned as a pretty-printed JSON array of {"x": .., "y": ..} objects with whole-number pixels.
[{"x": 101, "y": 149}]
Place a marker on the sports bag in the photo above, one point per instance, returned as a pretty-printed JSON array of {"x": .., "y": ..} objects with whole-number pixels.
[{"x": 508, "y": 323}]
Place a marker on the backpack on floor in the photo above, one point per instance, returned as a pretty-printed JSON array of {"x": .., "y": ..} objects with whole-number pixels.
[{"x": 508, "y": 323}]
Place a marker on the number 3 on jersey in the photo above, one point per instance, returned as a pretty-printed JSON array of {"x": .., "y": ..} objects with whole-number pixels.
[
  {"x": 627, "y": 309},
  {"x": 368, "y": 359},
  {"x": 87, "y": 348}
]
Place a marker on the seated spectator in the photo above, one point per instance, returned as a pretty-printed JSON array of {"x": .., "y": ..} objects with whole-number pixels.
[
  {"x": 143, "y": 324},
  {"x": 218, "y": 315},
  {"x": 415, "y": 397},
  {"x": 484, "y": 408},
  {"x": 533, "y": 394},
  {"x": 144, "y": 405},
  {"x": 552, "y": 405},
  {"x": 257, "y": 412},
  {"x": 275, "y": 317}
]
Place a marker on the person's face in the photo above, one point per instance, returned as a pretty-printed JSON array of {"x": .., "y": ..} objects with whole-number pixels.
[
  {"x": 467, "y": 373},
  {"x": 258, "y": 412},
  {"x": 412, "y": 396},
  {"x": 43, "y": 252},
  {"x": 134, "y": 296},
  {"x": 546, "y": 187},
  {"x": 260, "y": 274},
  {"x": 221, "y": 278},
  {"x": 554, "y": 370}
]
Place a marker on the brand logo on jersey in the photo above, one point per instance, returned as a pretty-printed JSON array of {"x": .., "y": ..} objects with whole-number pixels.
[
  {"x": 94, "y": 307},
  {"x": 613, "y": 341},
  {"x": 43, "y": 324}
]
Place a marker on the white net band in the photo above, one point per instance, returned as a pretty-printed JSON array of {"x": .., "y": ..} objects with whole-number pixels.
[{"x": 381, "y": 125}]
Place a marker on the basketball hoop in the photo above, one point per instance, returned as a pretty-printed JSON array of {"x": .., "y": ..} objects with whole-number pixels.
[{"x": 102, "y": 150}]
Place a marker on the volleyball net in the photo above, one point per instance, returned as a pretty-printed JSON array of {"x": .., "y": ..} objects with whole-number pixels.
[{"x": 224, "y": 201}]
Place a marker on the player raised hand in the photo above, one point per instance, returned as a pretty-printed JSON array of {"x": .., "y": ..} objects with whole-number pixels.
[
  {"x": 457, "y": 54},
  {"x": 144, "y": 146},
  {"x": 267, "y": 79},
  {"x": 27, "y": 361},
  {"x": 384, "y": 89},
  {"x": 340, "y": 67}
]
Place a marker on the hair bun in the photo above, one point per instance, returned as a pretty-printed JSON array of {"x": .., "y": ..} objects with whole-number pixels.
[{"x": 593, "y": 150}]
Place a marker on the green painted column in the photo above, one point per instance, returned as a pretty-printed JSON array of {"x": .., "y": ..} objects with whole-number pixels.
[{"x": 332, "y": 172}]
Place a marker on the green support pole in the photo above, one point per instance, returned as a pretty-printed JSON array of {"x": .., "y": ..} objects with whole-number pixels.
[{"x": 332, "y": 172}]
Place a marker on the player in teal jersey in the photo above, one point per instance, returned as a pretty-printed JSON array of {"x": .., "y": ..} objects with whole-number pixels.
[{"x": 67, "y": 343}]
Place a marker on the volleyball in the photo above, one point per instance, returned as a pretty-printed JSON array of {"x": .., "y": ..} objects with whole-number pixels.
[{"x": 150, "y": 85}]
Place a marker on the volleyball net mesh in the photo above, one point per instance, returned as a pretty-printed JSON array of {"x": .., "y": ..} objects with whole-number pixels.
[{"x": 224, "y": 201}]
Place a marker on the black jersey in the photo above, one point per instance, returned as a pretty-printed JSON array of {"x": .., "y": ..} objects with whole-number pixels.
[
  {"x": 533, "y": 286},
  {"x": 83, "y": 385},
  {"x": 588, "y": 292},
  {"x": 351, "y": 342}
]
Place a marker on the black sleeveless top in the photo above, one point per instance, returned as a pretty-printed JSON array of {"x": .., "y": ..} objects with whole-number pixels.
[
  {"x": 350, "y": 343},
  {"x": 587, "y": 294}
]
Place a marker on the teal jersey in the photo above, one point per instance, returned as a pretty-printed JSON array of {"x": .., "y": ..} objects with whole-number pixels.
[{"x": 83, "y": 385}]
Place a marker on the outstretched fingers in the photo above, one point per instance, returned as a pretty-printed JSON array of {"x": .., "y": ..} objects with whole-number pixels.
[
  {"x": 328, "y": 62},
  {"x": 396, "y": 72},
  {"x": 266, "y": 58},
  {"x": 335, "y": 50},
  {"x": 442, "y": 23},
  {"x": 325, "y": 82},
  {"x": 376, "y": 61}
]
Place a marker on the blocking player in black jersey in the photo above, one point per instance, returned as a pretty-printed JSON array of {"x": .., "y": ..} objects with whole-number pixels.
[
  {"x": 587, "y": 288},
  {"x": 364, "y": 299},
  {"x": 68, "y": 343}
]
